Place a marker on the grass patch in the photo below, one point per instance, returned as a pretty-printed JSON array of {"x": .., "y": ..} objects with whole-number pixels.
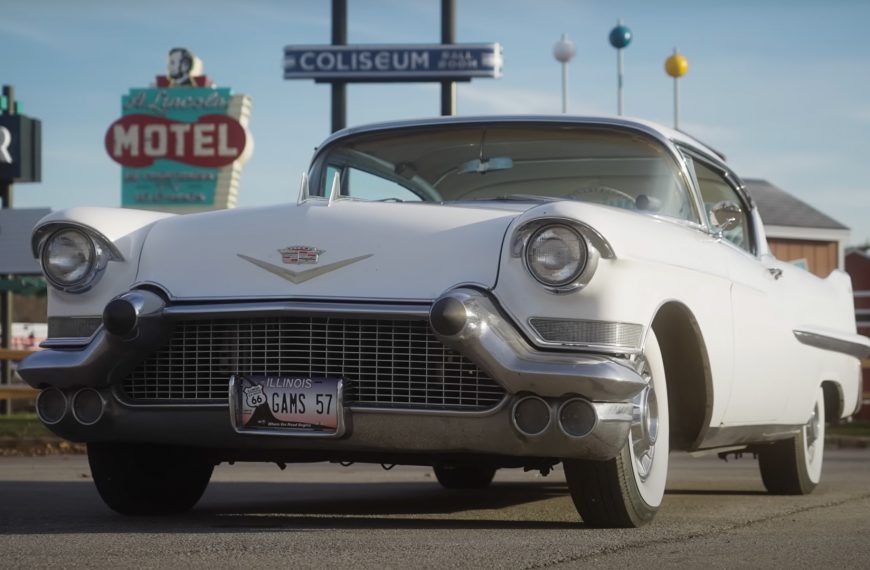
[{"x": 23, "y": 426}]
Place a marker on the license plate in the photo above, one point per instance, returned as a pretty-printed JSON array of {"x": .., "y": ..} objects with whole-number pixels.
[{"x": 286, "y": 405}]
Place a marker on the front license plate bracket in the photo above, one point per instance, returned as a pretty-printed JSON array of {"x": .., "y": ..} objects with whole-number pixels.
[{"x": 290, "y": 406}]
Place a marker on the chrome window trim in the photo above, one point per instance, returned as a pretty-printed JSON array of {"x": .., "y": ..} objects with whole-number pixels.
[
  {"x": 735, "y": 184},
  {"x": 625, "y": 125}
]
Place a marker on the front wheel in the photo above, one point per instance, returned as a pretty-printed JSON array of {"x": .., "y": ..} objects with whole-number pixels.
[
  {"x": 794, "y": 466},
  {"x": 626, "y": 491},
  {"x": 145, "y": 479}
]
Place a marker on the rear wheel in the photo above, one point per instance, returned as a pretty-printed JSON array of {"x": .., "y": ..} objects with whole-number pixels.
[
  {"x": 464, "y": 476},
  {"x": 794, "y": 466},
  {"x": 144, "y": 479},
  {"x": 626, "y": 491}
]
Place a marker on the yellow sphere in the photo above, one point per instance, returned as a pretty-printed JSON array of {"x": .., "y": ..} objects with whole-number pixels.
[{"x": 676, "y": 65}]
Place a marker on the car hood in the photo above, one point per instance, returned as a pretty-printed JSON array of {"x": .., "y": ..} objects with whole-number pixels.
[{"x": 363, "y": 250}]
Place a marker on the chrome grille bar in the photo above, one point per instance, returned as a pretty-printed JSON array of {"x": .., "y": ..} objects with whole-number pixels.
[{"x": 388, "y": 363}]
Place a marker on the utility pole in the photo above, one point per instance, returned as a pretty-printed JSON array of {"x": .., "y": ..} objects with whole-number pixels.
[{"x": 6, "y": 295}]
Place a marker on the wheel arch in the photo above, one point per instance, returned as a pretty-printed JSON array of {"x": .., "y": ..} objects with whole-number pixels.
[
  {"x": 834, "y": 400},
  {"x": 687, "y": 371}
]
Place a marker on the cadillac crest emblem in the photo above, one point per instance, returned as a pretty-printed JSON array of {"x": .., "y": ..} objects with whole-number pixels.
[{"x": 300, "y": 254}]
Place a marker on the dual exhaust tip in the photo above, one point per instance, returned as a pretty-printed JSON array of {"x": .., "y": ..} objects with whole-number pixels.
[
  {"x": 532, "y": 416},
  {"x": 86, "y": 406}
]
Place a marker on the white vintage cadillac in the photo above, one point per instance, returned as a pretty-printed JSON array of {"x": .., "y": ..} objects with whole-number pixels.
[{"x": 463, "y": 293}]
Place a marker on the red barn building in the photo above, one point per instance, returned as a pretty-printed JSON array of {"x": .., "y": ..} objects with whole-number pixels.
[{"x": 858, "y": 266}]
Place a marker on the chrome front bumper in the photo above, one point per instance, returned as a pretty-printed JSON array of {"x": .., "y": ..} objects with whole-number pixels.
[{"x": 466, "y": 320}]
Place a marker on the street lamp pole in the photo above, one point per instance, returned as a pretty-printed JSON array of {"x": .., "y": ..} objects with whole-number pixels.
[{"x": 564, "y": 52}]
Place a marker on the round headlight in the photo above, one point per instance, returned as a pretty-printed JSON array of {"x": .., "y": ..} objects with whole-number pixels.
[
  {"x": 556, "y": 255},
  {"x": 69, "y": 258}
]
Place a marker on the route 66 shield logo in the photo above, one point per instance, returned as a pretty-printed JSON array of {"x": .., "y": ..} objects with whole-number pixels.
[{"x": 254, "y": 396}]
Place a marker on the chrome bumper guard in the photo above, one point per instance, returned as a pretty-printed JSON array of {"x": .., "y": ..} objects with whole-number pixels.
[
  {"x": 468, "y": 321},
  {"x": 464, "y": 319}
]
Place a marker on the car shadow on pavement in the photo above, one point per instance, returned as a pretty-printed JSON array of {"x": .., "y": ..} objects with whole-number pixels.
[
  {"x": 72, "y": 507},
  {"x": 717, "y": 492}
]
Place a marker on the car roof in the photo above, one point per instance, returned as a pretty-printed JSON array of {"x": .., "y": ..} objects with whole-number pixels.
[{"x": 651, "y": 128}]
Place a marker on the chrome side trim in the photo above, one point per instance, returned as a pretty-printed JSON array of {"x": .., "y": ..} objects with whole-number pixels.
[
  {"x": 854, "y": 345},
  {"x": 739, "y": 435},
  {"x": 493, "y": 344},
  {"x": 69, "y": 341}
]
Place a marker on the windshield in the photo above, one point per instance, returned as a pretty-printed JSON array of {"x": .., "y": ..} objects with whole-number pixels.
[{"x": 506, "y": 162}]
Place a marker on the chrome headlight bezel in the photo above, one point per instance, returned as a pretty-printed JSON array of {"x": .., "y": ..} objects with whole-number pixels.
[
  {"x": 596, "y": 248},
  {"x": 98, "y": 254},
  {"x": 574, "y": 266}
]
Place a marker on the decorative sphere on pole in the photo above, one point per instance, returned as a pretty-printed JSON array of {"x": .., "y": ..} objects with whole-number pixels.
[
  {"x": 564, "y": 52},
  {"x": 620, "y": 37},
  {"x": 676, "y": 66}
]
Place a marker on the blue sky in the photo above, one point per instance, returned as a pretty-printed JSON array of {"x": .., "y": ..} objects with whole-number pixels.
[{"x": 782, "y": 87}]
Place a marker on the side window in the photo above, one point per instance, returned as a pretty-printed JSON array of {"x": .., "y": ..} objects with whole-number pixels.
[
  {"x": 715, "y": 189},
  {"x": 364, "y": 185}
]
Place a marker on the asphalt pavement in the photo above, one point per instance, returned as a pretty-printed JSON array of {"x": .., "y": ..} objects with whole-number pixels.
[{"x": 716, "y": 515}]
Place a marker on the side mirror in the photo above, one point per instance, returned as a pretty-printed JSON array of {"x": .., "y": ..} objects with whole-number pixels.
[{"x": 725, "y": 215}]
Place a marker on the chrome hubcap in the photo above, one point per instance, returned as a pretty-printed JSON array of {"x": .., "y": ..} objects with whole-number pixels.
[
  {"x": 644, "y": 429},
  {"x": 812, "y": 431}
]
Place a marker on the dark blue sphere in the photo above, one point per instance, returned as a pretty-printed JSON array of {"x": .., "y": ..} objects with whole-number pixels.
[{"x": 620, "y": 37}]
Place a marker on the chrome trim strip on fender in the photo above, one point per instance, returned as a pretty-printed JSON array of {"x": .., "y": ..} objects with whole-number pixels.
[
  {"x": 852, "y": 344},
  {"x": 739, "y": 435}
]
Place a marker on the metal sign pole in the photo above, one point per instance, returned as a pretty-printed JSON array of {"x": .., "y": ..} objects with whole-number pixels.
[
  {"x": 339, "y": 88},
  {"x": 448, "y": 36},
  {"x": 6, "y": 295}
]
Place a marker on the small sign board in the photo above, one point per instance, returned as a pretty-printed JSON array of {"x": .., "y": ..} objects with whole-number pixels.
[
  {"x": 20, "y": 148},
  {"x": 372, "y": 63},
  {"x": 16, "y": 257}
]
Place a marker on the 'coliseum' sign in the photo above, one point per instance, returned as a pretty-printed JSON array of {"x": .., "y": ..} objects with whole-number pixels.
[{"x": 393, "y": 62}]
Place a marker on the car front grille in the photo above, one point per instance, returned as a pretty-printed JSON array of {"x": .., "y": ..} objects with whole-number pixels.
[{"x": 385, "y": 363}]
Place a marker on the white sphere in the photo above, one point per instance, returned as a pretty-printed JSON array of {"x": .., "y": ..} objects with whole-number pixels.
[{"x": 564, "y": 50}]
